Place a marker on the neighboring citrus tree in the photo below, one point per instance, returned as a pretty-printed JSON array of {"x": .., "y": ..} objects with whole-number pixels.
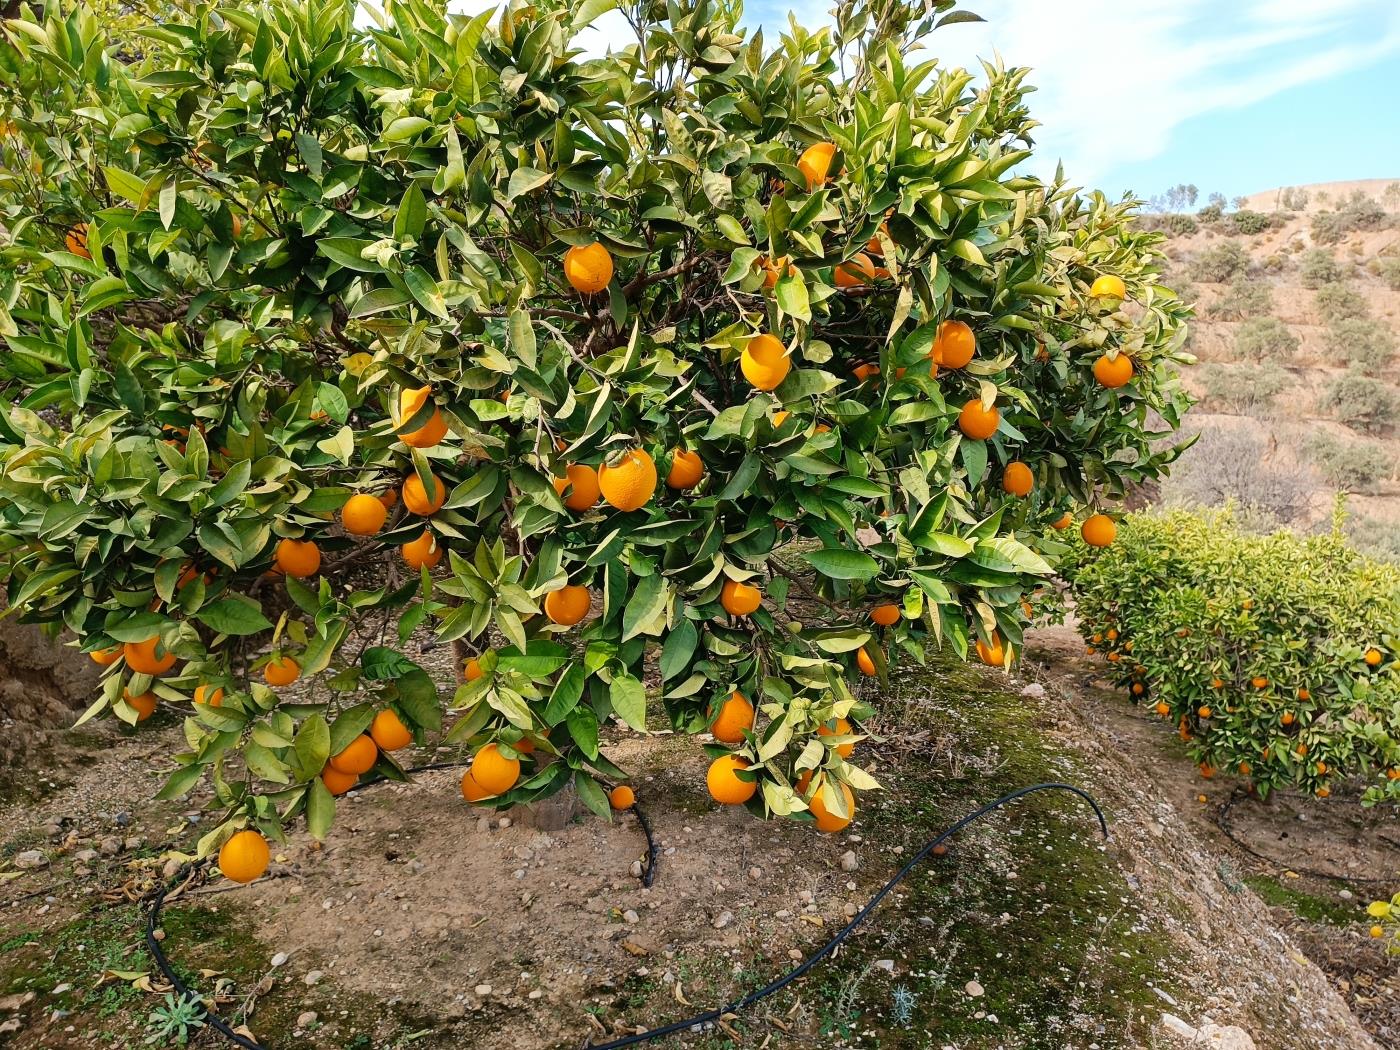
[
  {"x": 1277, "y": 657},
  {"x": 716, "y": 368}
]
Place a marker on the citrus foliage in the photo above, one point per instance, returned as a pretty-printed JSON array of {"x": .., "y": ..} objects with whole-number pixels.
[
  {"x": 1387, "y": 922},
  {"x": 1278, "y": 657},
  {"x": 280, "y": 268}
]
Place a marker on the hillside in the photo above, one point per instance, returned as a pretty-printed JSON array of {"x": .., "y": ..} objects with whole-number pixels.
[{"x": 1298, "y": 314}]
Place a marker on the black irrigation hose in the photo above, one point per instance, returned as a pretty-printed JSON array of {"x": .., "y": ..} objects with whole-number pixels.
[
  {"x": 1312, "y": 873},
  {"x": 649, "y": 871},
  {"x": 157, "y": 902}
]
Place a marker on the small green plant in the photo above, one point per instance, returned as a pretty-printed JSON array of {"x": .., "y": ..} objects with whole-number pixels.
[
  {"x": 1220, "y": 263},
  {"x": 1361, "y": 402},
  {"x": 1265, "y": 339},
  {"x": 1387, "y": 925},
  {"x": 1317, "y": 267},
  {"x": 1337, "y": 302},
  {"x": 175, "y": 1020},
  {"x": 1361, "y": 342},
  {"x": 902, "y": 1002}
]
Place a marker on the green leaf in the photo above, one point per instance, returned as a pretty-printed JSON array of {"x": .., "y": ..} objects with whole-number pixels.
[
  {"x": 320, "y": 809},
  {"x": 412, "y": 215},
  {"x": 525, "y": 180},
  {"x": 592, "y": 794},
  {"x": 677, "y": 650},
  {"x": 234, "y": 616},
  {"x": 838, "y": 563},
  {"x": 425, "y": 290},
  {"x": 180, "y": 782},
  {"x": 629, "y": 701},
  {"x": 566, "y": 695},
  {"x": 349, "y": 724},
  {"x": 646, "y": 607},
  {"x": 791, "y": 294},
  {"x": 382, "y": 664}
]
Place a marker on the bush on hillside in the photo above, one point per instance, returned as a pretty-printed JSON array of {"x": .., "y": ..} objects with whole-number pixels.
[
  {"x": 1336, "y": 301},
  {"x": 1363, "y": 343},
  {"x": 1388, "y": 270},
  {"x": 1247, "y": 297},
  {"x": 1362, "y": 402},
  {"x": 1348, "y": 464},
  {"x": 1265, "y": 339},
  {"x": 1317, "y": 267},
  {"x": 1220, "y": 263},
  {"x": 1372, "y": 536},
  {"x": 1181, "y": 225},
  {"x": 1275, "y": 656},
  {"x": 1231, "y": 464},
  {"x": 1247, "y": 389},
  {"x": 1359, "y": 212},
  {"x": 1251, "y": 223}
]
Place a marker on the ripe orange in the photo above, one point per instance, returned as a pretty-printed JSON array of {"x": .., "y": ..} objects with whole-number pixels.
[
  {"x": 865, "y": 371},
  {"x": 1113, "y": 372},
  {"x": 581, "y": 482},
  {"x": 389, "y": 497},
  {"x": 739, "y": 599},
  {"x": 1064, "y": 521},
  {"x": 141, "y": 657},
  {"x": 1162, "y": 708},
  {"x": 815, "y": 163},
  {"x": 1373, "y": 657},
  {"x": 434, "y": 428},
  {"x": 865, "y": 663},
  {"x": 237, "y": 225},
  {"x": 568, "y": 605},
  {"x": 106, "y": 657},
  {"x": 827, "y": 821},
  {"x": 281, "y": 670},
  {"x": 771, "y": 268},
  {"x": 977, "y": 422},
  {"x": 873, "y": 246},
  {"x": 76, "y": 240},
  {"x": 144, "y": 704},
  {"x": 725, "y": 786},
  {"x": 992, "y": 655},
  {"x": 588, "y": 267},
  {"x": 856, "y": 271},
  {"x": 471, "y": 671},
  {"x": 415, "y": 495},
  {"x": 839, "y": 727},
  {"x": 1108, "y": 286},
  {"x": 1245, "y": 769},
  {"x": 356, "y": 757},
  {"x": 622, "y": 797},
  {"x": 1017, "y": 479},
  {"x": 471, "y": 790},
  {"x": 885, "y": 615},
  {"x": 629, "y": 483},
  {"x": 1098, "y": 530},
  {"x": 687, "y": 470},
  {"x": 1287, "y": 718},
  {"x": 1304, "y": 694},
  {"x": 388, "y": 731},
  {"x": 244, "y": 857},
  {"x": 1137, "y": 689},
  {"x": 1203, "y": 712},
  {"x": 1323, "y": 792},
  {"x": 495, "y": 773},
  {"x": 363, "y": 515},
  {"x": 1217, "y": 683},
  {"x": 1207, "y": 770},
  {"x": 734, "y": 719},
  {"x": 425, "y": 550},
  {"x": 1259, "y": 682},
  {"x": 337, "y": 783},
  {"x": 954, "y": 346},
  {"x": 299, "y": 558},
  {"x": 765, "y": 362},
  {"x": 213, "y": 696}
]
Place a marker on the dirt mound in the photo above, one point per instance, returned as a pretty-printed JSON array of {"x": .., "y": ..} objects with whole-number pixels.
[{"x": 42, "y": 684}]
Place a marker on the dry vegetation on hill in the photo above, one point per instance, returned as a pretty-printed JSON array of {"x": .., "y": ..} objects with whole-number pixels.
[{"x": 1297, "y": 295}]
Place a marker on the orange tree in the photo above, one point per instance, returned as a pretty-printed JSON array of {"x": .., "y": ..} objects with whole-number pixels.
[{"x": 325, "y": 336}]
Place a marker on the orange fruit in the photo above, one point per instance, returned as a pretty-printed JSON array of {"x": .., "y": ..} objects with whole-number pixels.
[
  {"x": 388, "y": 731},
  {"x": 281, "y": 670},
  {"x": 1017, "y": 479},
  {"x": 106, "y": 657},
  {"x": 687, "y": 469},
  {"x": 1373, "y": 657},
  {"x": 433, "y": 429},
  {"x": 840, "y": 727},
  {"x": 1138, "y": 689},
  {"x": 873, "y": 246},
  {"x": 390, "y": 498},
  {"x": 299, "y": 558},
  {"x": 954, "y": 346},
  {"x": 211, "y": 695},
  {"x": 1245, "y": 769},
  {"x": 1304, "y": 694},
  {"x": 337, "y": 783},
  {"x": 1098, "y": 530},
  {"x": 471, "y": 671},
  {"x": 495, "y": 773},
  {"x": 1207, "y": 770},
  {"x": 356, "y": 757},
  {"x": 144, "y": 704},
  {"x": 1108, "y": 286},
  {"x": 237, "y": 225},
  {"x": 1064, "y": 521},
  {"x": 1323, "y": 792},
  {"x": 735, "y": 717},
  {"x": 471, "y": 790},
  {"x": 568, "y": 605},
  {"x": 739, "y": 599},
  {"x": 415, "y": 495},
  {"x": 622, "y": 797},
  {"x": 244, "y": 857},
  {"x": 865, "y": 371},
  {"x": 141, "y": 657},
  {"x": 765, "y": 362},
  {"x": 725, "y": 786},
  {"x": 1113, "y": 372},
  {"x": 865, "y": 663},
  {"x": 771, "y": 268},
  {"x": 1217, "y": 683},
  {"x": 425, "y": 550},
  {"x": 1203, "y": 712},
  {"x": 992, "y": 655},
  {"x": 977, "y": 422},
  {"x": 1162, "y": 708},
  {"x": 827, "y": 821},
  {"x": 885, "y": 615},
  {"x": 630, "y": 483},
  {"x": 856, "y": 271},
  {"x": 581, "y": 482},
  {"x": 588, "y": 267},
  {"x": 815, "y": 163},
  {"x": 780, "y": 417},
  {"x": 76, "y": 240},
  {"x": 363, "y": 515},
  {"x": 1259, "y": 682}
]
